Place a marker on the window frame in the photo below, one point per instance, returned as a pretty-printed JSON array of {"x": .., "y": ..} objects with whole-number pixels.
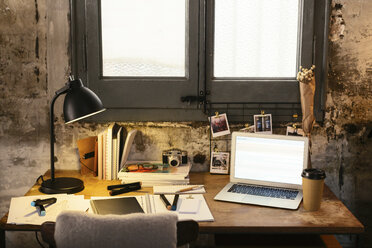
[
  {"x": 199, "y": 83},
  {"x": 270, "y": 90}
]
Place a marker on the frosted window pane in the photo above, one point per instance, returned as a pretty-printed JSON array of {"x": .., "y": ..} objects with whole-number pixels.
[
  {"x": 143, "y": 38},
  {"x": 256, "y": 38}
]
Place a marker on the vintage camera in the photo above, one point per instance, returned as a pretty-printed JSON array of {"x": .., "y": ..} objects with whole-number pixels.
[{"x": 174, "y": 157}]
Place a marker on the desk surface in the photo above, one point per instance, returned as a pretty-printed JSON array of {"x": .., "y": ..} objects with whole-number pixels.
[{"x": 333, "y": 217}]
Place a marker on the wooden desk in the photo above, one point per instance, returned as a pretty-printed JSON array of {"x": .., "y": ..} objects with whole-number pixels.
[{"x": 332, "y": 218}]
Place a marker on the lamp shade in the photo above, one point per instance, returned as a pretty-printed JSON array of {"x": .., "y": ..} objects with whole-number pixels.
[{"x": 80, "y": 102}]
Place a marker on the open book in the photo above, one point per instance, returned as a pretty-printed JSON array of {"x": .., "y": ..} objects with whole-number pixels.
[{"x": 153, "y": 204}]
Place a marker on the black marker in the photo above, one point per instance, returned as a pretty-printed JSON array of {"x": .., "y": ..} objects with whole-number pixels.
[
  {"x": 40, "y": 210},
  {"x": 40, "y": 202},
  {"x": 165, "y": 201},
  {"x": 110, "y": 187},
  {"x": 125, "y": 189},
  {"x": 175, "y": 200}
]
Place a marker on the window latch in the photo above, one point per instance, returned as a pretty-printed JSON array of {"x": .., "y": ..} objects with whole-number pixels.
[{"x": 190, "y": 99}]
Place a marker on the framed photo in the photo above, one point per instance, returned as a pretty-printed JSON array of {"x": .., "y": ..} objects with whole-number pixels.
[
  {"x": 292, "y": 131},
  {"x": 263, "y": 124},
  {"x": 219, "y": 125},
  {"x": 220, "y": 162}
]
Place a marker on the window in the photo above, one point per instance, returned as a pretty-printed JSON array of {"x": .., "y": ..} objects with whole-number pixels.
[
  {"x": 153, "y": 47},
  {"x": 175, "y": 60},
  {"x": 247, "y": 33}
]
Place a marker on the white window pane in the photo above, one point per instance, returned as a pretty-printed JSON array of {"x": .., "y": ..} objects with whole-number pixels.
[
  {"x": 256, "y": 38},
  {"x": 143, "y": 38}
]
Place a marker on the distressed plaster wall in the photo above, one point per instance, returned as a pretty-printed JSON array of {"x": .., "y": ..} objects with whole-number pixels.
[{"x": 34, "y": 64}]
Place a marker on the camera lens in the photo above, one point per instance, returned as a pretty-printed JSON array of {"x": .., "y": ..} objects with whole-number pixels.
[{"x": 174, "y": 161}]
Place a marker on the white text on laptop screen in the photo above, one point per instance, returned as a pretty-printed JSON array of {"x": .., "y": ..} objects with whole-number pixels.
[{"x": 272, "y": 160}]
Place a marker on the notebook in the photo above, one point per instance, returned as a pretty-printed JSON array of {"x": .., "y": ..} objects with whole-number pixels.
[
  {"x": 126, "y": 205},
  {"x": 266, "y": 170}
]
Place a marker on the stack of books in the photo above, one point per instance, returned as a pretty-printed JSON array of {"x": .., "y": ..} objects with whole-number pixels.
[
  {"x": 161, "y": 174},
  {"x": 112, "y": 151},
  {"x": 111, "y": 143}
]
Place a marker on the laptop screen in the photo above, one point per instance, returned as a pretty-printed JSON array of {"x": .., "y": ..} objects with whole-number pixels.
[{"x": 269, "y": 158}]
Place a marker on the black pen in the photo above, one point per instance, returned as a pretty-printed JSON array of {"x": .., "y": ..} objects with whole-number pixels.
[
  {"x": 165, "y": 201},
  {"x": 125, "y": 189},
  {"x": 175, "y": 200},
  {"x": 110, "y": 187}
]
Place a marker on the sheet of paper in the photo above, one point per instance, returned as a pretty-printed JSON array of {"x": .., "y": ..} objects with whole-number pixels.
[
  {"x": 21, "y": 211},
  {"x": 172, "y": 189},
  {"x": 189, "y": 206},
  {"x": 127, "y": 145},
  {"x": 203, "y": 214}
]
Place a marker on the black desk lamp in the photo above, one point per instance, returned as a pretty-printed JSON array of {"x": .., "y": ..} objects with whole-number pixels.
[{"x": 80, "y": 102}]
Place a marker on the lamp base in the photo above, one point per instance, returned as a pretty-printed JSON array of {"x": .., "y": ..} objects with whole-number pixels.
[{"x": 62, "y": 185}]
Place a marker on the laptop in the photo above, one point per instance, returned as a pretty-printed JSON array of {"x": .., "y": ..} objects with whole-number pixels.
[{"x": 266, "y": 170}]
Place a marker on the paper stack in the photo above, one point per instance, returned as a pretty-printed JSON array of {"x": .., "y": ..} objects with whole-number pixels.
[
  {"x": 188, "y": 208},
  {"x": 21, "y": 211},
  {"x": 158, "y": 174},
  {"x": 163, "y": 175}
]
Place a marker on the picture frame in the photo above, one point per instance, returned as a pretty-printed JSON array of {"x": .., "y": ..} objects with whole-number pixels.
[
  {"x": 263, "y": 123},
  {"x": 219, "y": 125},
  {"x": 293, "y": 131},
  {"x": 220, "y": 163}
]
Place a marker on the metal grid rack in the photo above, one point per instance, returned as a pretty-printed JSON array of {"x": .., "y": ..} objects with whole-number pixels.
[{"x": 242, "y": 113}]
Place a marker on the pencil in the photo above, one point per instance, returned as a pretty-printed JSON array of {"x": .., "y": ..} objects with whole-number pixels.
[
  {"x": 189, "y": 188},
  {"x": 165, "y": 201}
]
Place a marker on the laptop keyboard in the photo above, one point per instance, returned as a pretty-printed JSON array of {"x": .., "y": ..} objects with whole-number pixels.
[{"x": 264, "y": 191}]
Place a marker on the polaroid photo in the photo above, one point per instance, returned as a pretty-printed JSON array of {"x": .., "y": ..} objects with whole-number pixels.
[
  {"x": 219, "y": 125},
  {"x": 263, "y": 123},
  {"x": 291, "y": 131},
  {"x": 220, "y": 163}
]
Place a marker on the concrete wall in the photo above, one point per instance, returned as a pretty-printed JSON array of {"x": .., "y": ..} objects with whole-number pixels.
[{"x": 34, "y": 64}]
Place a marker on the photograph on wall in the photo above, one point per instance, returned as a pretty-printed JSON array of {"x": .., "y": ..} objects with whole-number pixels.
[
  {"x": 219, "y": 163},
  {"x": 263, "y": 123},
  {"x": 219, "y": 125},
  {"x": 293, "y": 131}
]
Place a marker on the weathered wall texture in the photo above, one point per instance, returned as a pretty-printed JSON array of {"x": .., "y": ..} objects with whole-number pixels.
[
  {"x": 343, "y": 144},
  {"x": 34, "y": 64}
]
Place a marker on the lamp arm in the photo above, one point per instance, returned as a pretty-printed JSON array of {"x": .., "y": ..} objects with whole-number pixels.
[{"x": 59, "y": 92}]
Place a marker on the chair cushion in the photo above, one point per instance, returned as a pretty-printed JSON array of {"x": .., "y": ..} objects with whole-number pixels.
[{"x": 77, "y": 229}]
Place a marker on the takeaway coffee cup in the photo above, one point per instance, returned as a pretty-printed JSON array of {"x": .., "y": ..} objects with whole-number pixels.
[{"x": 312, "y": 187}]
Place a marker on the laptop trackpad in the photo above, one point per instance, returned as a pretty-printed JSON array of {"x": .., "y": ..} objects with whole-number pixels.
[{"x": 256, "y": 200}]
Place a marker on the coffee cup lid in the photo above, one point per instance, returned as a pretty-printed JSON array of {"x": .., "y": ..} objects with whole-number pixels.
[{"x": 313, "y": 174}]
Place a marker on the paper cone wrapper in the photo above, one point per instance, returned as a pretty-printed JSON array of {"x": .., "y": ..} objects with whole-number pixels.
[{"x": 307, "y": 92}]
